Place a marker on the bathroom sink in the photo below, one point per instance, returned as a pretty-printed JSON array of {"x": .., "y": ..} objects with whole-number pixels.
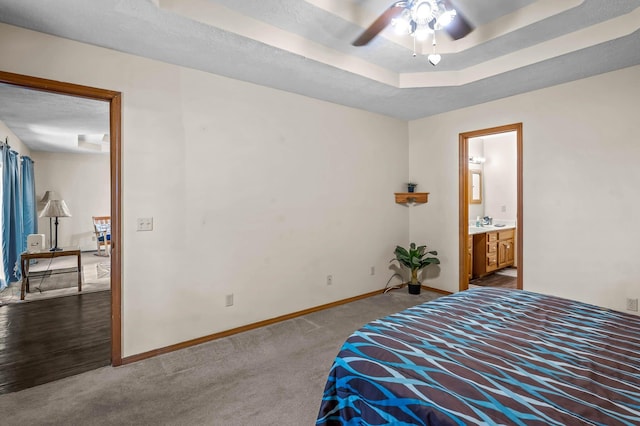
[{"x": 486, "y": 228}]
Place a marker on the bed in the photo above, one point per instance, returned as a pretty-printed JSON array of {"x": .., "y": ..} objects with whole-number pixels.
[{"x": 489, "y": 356}]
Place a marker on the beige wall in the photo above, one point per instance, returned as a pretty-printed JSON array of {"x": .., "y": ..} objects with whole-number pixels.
[
  {"x": 476, "y": 149},
  {"x": 82, "y": 181},
  {"x": 581, "y": 177},
  {"x": 253, "y": 191},
  {"x": 263, "y": 193},
  {"x": 500, "y": 176}
]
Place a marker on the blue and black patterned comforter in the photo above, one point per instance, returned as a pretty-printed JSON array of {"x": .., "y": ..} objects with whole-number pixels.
[{"x": 489, "y": 356}]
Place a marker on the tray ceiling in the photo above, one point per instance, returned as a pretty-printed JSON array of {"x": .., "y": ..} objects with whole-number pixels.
[{"x": 304, "y": 46}]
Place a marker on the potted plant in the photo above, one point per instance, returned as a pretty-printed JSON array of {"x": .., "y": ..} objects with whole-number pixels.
[
  {"x": 415, "y": 259},
  {"x": 411, "y": 187}
]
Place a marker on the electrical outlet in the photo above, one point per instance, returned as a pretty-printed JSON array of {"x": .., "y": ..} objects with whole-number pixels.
[
  {"x": 632, "y": 305},
  {"x": 144, "y": 224},
  {"x": 329, "y": 279},
  {"x": 228, "y": 300},
  {"x": 372, "y": 271}
]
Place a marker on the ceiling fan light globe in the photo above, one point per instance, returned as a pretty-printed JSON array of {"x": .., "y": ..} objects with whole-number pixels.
[
  {"x": 401, "y": 26},
  {"x": 446, "y": 18},
  {"x": 423, "y": 11}
]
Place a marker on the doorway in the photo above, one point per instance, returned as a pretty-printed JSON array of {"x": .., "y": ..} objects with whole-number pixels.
[
  {"x": 113, "y": 99},
  {"x": 470, "y": 198}
]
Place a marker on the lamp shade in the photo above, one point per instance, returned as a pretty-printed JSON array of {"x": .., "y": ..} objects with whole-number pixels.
[
  {"x": 56, "y": 208},
  {"x": 50, "y": 195}
]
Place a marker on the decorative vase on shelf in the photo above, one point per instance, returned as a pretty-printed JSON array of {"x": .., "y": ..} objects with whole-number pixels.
[{"x": 411, "y": 187}]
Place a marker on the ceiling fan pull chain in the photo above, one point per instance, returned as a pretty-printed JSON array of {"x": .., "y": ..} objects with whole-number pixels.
[{"x": 434, "y": 58}]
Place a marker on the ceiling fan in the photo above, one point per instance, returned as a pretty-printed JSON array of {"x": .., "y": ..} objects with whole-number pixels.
[{"x": 419, "y": 18}]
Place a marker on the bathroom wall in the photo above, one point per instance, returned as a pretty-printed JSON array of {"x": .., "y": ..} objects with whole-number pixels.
[
  {"x": 500, "y": 177},
  {"x": 476, "y": 149}
]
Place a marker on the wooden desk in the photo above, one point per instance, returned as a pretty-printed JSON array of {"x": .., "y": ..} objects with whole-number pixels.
[{"x": 46, "y": 254}]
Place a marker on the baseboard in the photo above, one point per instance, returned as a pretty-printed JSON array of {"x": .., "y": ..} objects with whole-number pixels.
[
  {"x": 424, "y": 287},
  {"x": 204, "y": 339},
  {"x": 215, "y": 336},
  {"x": 436, "y": 290}
]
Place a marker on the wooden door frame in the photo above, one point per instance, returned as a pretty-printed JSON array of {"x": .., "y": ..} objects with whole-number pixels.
[
  {"x": 115, "y": 129},
  {"x": 463, "y": 141}
]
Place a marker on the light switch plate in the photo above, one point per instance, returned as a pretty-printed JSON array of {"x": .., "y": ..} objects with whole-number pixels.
[{"x": 144, "y": 224}]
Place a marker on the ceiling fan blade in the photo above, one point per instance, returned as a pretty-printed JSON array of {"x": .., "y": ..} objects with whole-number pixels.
[
  {"x": 378, "y": 25},
  {"x": 460, "y": 27}
]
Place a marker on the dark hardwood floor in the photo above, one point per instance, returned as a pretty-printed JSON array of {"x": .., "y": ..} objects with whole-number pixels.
[
  {"x": 495, "y": 280},
  {"x": 47, "y": 340}
]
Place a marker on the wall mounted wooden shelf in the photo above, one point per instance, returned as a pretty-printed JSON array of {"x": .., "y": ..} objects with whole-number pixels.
[{"x": 412, "y": 197}]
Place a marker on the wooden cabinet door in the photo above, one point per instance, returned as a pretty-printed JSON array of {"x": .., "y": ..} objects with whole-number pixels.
[
  {"x": 502, "y": 253},
  {"x": 510, "y": 253},
  {"x": 505, "y": 253},
  {"x": 470, "y": 256}
]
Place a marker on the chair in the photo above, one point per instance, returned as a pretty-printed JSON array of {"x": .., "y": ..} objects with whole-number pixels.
[{"x": 102, "y": 229}]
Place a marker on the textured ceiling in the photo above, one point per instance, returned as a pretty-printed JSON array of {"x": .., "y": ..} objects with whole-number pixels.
[
  {"x": 51, "y": 122},
  {"x": 304, "y": 46}
]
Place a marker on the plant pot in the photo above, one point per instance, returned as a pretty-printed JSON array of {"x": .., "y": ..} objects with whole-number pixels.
[
  {"x": 411, "y": 188},
  {"x": 414, "y": 288}
]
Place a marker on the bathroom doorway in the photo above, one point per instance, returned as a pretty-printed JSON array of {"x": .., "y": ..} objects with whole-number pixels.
[{"x": 490, "y": 199}]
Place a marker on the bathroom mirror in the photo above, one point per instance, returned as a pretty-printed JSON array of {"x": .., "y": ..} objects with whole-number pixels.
[{"x": 475, "y": 186}]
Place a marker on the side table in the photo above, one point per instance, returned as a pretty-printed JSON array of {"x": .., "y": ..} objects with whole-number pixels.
[{"x": 46, "y": 254}]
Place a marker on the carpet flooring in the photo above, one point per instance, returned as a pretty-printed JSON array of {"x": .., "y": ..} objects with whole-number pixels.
[{"x": 273, "y": 375}]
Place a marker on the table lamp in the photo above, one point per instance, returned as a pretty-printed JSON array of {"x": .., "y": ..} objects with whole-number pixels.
[
  {"x": 50, "y": 195},
  {"x": 56, "y": 208}
]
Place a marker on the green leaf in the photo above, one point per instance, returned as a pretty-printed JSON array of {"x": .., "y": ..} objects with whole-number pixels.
[
  {"x": 401, "y": 251},
  {"x": 414, "y": 258}
]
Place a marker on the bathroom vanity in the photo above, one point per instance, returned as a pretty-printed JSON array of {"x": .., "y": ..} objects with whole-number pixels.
[{"x": 492, "y": 249}]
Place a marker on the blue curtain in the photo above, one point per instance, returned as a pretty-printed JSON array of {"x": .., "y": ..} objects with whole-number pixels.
[
  {"x": 29, "y": 206},
  {"x": 11, "y": 216}
]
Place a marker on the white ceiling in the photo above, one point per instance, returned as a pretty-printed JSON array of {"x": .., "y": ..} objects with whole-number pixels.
[
  {"x": 304, "y": 46},
  {"x": 50, "y": 122}
]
